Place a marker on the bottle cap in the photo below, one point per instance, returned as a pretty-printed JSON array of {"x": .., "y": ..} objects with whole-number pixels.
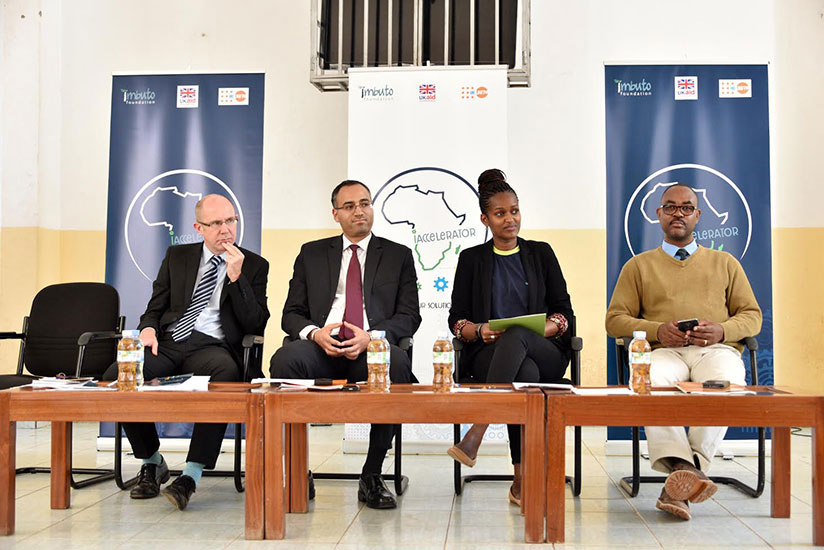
[
  {"x": 639, "y": 334},
  {"x": 130, "y": 334},
  {"x": 377, "y": 334}
]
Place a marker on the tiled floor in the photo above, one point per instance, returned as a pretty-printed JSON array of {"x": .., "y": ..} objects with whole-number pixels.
[{"x": 428, "y": 517}]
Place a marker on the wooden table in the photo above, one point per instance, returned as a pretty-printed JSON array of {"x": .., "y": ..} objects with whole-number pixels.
[
  {"x": 781, "y": 410},
  {"x": 64, "y": 407},
  {"x": 406, "y": 403}
]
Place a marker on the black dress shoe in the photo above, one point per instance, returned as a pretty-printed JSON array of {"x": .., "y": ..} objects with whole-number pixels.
[
  {"x": 373, "y": 491},
  {"x": 311, "y": 486},
  {"x": 149, "y": 480},
  {"x": 180, "y": 491}
]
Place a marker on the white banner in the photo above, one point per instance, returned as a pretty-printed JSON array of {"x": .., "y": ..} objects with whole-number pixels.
[{"x": 419, "y": 138}]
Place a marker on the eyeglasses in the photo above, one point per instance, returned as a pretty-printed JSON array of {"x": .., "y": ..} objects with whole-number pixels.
[
  {"x": 686, "y": 209},
  {"x": 350, "y": 207},
  {"x": 228, "y": 222}
]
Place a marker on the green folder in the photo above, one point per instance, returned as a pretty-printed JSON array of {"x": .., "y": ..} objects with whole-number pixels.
[{"x": 535, "y": 323}]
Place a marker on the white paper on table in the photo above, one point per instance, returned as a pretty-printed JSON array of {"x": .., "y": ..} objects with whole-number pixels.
[
  {"x": 305, "y": 383},
  {"x": 69, "y": 384},
  {"x": 549, "y": 386},
  {"x": 602, "y": 391},
  {"x": 194, "y": 383}
]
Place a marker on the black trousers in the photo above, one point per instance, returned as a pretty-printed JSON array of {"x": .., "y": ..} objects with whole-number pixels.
[
  {"x": 305, "y": 359},
  {"x": 519, "y": 355},
  {"x": 199, "y": 354}
]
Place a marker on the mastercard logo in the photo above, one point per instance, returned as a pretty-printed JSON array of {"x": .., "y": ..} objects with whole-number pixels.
[
  {"x": 742, "y": 88},
  {"x": 482, "y": 92},
  {"x": 240, "y": 96}
]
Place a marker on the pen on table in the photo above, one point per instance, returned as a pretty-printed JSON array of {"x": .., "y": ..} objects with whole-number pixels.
[{"x": 111, "y": 384}]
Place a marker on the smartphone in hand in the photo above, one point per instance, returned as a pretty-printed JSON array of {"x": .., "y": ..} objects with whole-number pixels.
[{"x": 687, "y": 324}]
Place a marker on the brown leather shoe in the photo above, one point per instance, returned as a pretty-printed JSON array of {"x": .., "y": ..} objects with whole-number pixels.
[
  {"x": 678, "y": 508},
  {"x": 686, "y": 482}
]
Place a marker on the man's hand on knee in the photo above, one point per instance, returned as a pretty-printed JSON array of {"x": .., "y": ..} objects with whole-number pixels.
[
  {"x": 149, "y": 338},
  {"x": 328, "y": 343}
]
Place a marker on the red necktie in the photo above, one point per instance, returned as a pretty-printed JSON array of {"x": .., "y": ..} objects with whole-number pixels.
[{"x": 353, "y": 313}]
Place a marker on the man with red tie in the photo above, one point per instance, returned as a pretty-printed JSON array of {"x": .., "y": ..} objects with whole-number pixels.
[{"x": 341, "y": 288}]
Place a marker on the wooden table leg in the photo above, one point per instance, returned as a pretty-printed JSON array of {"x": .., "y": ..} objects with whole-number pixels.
[
  {"x": 780, "y": 486},
  {"x": 818, "y": 476},
  {"x": 533, "y": 479},
  {"x": 254, "y": 469},
  {"x": 298, "y": 481},
  {"x": 8, "y": 440},
  {"x": 555, "y": 481},
  {"x": 61, "y": 465},
  {"x": 274, "y": 512}
]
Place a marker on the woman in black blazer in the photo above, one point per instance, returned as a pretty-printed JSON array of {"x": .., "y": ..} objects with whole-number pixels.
[{"x": 507, "y": 277}]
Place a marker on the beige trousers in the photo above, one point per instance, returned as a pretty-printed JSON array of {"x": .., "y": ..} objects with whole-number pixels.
[{"x": 697, "y": 364}]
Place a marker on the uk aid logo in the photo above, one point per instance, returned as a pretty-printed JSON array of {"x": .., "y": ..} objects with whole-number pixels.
[
  {"x": 726, "y": 218},
  {"x": 187, "y": 96},
  {"x": 686, "y": 87}
]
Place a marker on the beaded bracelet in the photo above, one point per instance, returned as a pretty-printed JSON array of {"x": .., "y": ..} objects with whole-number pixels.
[
  {"x": 561, "y": 321},
  {"x": 458, "y": 330}
]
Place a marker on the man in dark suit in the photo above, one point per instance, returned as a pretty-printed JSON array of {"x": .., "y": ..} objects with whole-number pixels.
[
  {"x": 342, "y": 287},
  {"x": 205, "y": 298}
]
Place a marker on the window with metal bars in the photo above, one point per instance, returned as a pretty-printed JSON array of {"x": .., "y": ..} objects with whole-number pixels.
[{"x": 395, "y": 33}]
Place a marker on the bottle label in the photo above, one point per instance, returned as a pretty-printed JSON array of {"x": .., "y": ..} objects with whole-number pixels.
[
  {"x": 130, "y": 356},
  {"x": 375, "y": 357},
  {"x": 640, "y": 357},
  {"x": 441, "y": 357}
]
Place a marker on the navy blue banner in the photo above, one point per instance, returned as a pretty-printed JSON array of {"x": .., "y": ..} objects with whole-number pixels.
[
  {"x": 174, "y": 139},
  {"x": 706, "y": 126}
]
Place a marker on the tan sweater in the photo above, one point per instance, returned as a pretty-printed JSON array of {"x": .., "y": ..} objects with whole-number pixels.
[{"x": 655, "y": 288}]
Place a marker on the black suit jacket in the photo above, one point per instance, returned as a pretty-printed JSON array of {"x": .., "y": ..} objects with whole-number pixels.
[
  {"x": 242, "y": 303},
  {"x": 390, "y": 287},
  {"x": 472, "y": 290}
]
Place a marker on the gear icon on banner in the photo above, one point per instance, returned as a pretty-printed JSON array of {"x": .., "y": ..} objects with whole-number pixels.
[{"x": 441, "y": 284}]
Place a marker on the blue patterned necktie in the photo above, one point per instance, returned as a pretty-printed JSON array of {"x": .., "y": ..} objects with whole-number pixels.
[
  {"x": 200, "y": 298},
  {"x": 681, "y": 254}
]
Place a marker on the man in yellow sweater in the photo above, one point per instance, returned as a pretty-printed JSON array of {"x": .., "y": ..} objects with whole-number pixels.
[{"x": 681, "y": 280}]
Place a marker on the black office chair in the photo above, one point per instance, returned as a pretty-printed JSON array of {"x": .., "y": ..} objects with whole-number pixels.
[
  {"x": 252, "y": 368},
  {"x": 71, "y": 325},
  {"x": 631, "y": 484},
  {"x": 577, "y": 344},
  {"x": 401, "y": 481}
]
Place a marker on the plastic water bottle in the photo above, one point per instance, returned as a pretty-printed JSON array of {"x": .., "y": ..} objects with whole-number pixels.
[
  {"x": 377, "y": 362},
  {"x": 442, "y": 362},
  {"x": 640, "y": 358},
  {"x": 129, "y": 361}
]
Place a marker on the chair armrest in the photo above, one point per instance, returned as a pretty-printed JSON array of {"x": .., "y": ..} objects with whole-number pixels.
[
  {"x": 12, "y": 335},
  {"x": 88, "y": 337},
  {"x": 457, "y": 345},
  {"x": 251, "y": 340},
  {"x": 751, "y": 343},
  {"x": 576, "y": 343}
]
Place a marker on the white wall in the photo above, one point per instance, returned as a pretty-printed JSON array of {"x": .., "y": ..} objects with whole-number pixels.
[
  {"x": 19, "y": 107},
  {"x": 55, "y": 94}
]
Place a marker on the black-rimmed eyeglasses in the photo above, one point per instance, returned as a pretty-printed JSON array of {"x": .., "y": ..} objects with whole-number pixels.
[{"x": 686, "y": 209}]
